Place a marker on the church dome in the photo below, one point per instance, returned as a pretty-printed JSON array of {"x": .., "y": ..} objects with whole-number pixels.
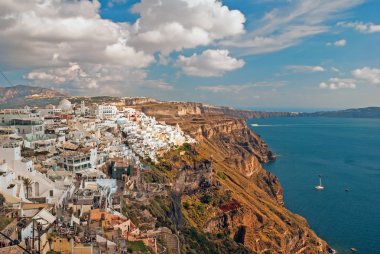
[{"x": 65, "y": 105}]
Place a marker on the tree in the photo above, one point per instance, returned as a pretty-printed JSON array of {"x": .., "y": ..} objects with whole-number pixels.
[
  {"x": 2, "y": 199},
  {"x": 28, "y": 185}
]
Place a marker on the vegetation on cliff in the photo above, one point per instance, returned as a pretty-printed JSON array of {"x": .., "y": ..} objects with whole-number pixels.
[{"x": 226, "y": 197}]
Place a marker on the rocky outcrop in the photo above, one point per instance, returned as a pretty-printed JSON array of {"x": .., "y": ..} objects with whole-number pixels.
[
  {"x": 171, "y": 109},
  {"x": 191, "y": 178},
  {"x": 139, "y": 101},
  {"x": 256, "y": 217},
  {"x": 175, "y": 109}
]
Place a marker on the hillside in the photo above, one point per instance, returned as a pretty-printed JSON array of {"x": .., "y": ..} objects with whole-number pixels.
[
  {"x": 222, "y": 192},
  {"x": 20, "y": 96},
  {"x": 172, "y": 109},
  {"x": 369, "y": 112},
  {"x": 222, "y": 200}
]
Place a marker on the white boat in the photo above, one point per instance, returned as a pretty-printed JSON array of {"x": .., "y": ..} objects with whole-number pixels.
[
  {"x": 320, "y": 186},
  {"x": 254, "y": 124}
]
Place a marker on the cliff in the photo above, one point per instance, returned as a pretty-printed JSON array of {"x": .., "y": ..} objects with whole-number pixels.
[
  {"x": 138, "y": 101},
  {"x": 175, "y": 109},
  {"x": 369, "y": 112},
  {"x": 241, "y": 201},
  {"x": 245, "y": 114}
]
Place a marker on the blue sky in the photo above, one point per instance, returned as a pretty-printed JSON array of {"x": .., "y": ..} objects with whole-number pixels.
[{"x": 259, "y": 53}]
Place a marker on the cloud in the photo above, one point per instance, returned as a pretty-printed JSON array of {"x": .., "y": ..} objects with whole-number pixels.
[
  {"x": 305, "y": 68},
  {"x": 157, "y": 84},
  {"x": 76, "y": 77},
  {"x": 208, "y": 64},
  {"x": 361, "y": 27},
  {"x": 239, "y": 88},
  {"x": 69, "y": 44},
  {"x": 340, "y": 43},
  {"x": 120, "y": 53},
  {"x": 288, "y": 26},
  {"x": 95, "y": 79},
  {"x": 371, "y": 75},
  {"x": 171, "y": 25},
  {"x": 54, "y": 33},
  {"x": 112, "y": 3},
  {"x": 338, "y": 83}
]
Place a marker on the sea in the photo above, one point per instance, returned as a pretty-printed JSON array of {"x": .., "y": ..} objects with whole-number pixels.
[{"x": 345, "y": 152}]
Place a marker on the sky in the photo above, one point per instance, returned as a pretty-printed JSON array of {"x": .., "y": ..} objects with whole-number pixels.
[{"x": 240, "y": 53}]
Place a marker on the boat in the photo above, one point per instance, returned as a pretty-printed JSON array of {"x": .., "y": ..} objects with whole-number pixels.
[
  {"x": 353, "y": 249},
  {"x": 254, "y": 124},
  {"x": 320, "y": 186}
]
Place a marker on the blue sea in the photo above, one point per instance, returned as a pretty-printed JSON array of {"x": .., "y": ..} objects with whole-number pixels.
[{"x": 346, "y": 153}]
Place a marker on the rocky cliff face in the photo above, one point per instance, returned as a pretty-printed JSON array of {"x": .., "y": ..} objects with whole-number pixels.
[
  {"x": 253, "y": 214},
  {"x": 245, "y": 114},
  {"x": 170, "y": 109},
  {"x": 139, "y": 101}
]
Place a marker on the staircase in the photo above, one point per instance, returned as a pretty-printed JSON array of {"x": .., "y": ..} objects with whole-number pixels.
[{"x": 171, "y": 242}]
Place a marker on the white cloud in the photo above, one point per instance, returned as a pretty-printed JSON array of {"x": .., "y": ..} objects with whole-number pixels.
[
  {"x": 73, "y": 75},
  {"x": 305, "y": 68},
  {"x": 240, "y": 87},
  {"x": 224, "y": 89},
  {"x": 209, "y": 63},
  {"x": 127, "y": 56},
  {"x": 340, "y": 43},
  {"x": 157, "y": 84},
  {"x": 338, "y": 83},
  {"x": 95, "y": 79},
  {"x": 371, "y": 75},
  {"x": 286, "y": 27},
  {"x": 112, "y": 3},
  {"x": 167, "y": 25},
  {"x": 54, "y": 33},
  {"x": 55, "y": 36},
  {"x": 68, "y": 44},
  {"x": 361, "y": 26}
]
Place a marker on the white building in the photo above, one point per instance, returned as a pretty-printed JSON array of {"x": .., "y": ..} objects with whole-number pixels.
[
  {"x": 148, "y": 138},
  {"x": 75, "y": 161},
  {"x": 106, "y": 111},
  {"x": 49, "y": 110},
  {"x": 15, "y": 168},
  {"x": 25, "y": 123},
  {"x": 65, "y": 106}
]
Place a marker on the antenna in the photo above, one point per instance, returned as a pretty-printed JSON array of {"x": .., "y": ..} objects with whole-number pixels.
[
  {"x": 15, "y": 243},
  {"x": 5, "y": 77}
]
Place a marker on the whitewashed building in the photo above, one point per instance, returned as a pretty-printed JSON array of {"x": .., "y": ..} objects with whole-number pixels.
[{"x": 106, "y": 111}]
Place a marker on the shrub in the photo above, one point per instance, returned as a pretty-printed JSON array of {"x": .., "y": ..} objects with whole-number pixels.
[
  {"x": 221, "y": 175},
  {"x": 186, "y": 205},
  {"x": 206, "y": 199}
]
